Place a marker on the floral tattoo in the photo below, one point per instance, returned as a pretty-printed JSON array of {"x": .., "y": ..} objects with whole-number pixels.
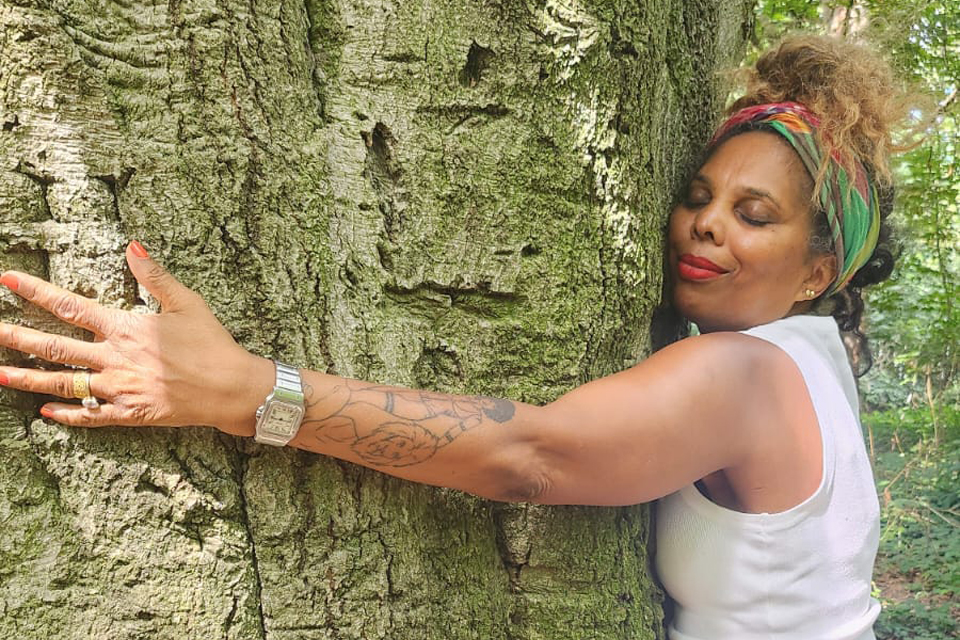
[{"x": 414, "y": 425}]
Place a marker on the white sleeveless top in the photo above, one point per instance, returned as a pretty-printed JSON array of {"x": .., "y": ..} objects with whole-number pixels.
[{"x": 800, "y": 574}]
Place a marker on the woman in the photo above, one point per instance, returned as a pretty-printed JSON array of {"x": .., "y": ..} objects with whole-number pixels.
[{"x": 749, "y": 432}]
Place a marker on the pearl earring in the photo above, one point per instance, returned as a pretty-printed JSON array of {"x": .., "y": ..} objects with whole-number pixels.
[{"x": 810, "y": 293}]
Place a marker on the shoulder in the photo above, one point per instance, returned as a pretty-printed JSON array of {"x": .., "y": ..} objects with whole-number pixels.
[
  {"x": 725, "y": 358},
  {"x": 734, "y": 382},
  {"x": 772, "y": 349},
  {"x": 698, "y": 406}
]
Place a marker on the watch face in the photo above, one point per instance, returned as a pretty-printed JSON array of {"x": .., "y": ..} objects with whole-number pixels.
[{"x": 282, "y": 419}]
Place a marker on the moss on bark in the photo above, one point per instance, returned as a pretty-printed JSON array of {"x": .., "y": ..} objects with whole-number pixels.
[{"x": 467, "y": 197}]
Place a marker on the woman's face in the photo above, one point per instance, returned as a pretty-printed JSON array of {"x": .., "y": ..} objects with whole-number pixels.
[{"x": 738, "y": 245}]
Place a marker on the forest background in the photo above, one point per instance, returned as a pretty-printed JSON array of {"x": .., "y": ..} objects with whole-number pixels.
[{"x": 911, "y": 396}]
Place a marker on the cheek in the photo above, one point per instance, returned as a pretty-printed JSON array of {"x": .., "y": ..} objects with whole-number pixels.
[
  {"x": 675, "y": 224},
  {"x": 783, "y": 260},
  {"x": 775, "y": 252},
  {"x": 796, "y": 253}
]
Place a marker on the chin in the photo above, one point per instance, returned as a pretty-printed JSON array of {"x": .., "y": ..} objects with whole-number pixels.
[
  {"x": 692, "y": 309},
  {"x": 713, "y": 325},
  {"x": 712, "y": 322},
  {"x": 709, "y": 320}
]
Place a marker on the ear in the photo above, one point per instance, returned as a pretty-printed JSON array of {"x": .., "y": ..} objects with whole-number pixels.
[{"x": 823, "y": 271}]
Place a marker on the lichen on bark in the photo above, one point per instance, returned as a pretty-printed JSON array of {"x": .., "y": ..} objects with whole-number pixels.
[{"x": 466, "y": 197}]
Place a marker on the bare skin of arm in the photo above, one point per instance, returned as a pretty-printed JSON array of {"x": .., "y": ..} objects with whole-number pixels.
[
  {"x": 700, "y": 407},
  {"x": 627, "y": 438}
]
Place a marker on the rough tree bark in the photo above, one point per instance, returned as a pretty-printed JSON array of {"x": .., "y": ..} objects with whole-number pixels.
[{"x": 463, "y": 196}]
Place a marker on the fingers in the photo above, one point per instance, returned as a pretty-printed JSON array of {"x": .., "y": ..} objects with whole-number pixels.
[
  {"x": 61, "y": 383},
  {"x": 51, "y": 383},
  {"x": 74, "y": 415},
  {"x": 66, "y": 305},
  {"x": 164, "y": 287},
  {"x": 86, "y": 313},
  {"x": 51, "y": 347}
]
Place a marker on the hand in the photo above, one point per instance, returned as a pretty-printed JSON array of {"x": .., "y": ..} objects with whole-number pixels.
[{"x": 176, "y": 368}]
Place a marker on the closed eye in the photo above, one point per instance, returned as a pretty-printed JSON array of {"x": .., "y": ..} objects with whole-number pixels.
[
  {"x": 753, "y": 222},
  {"x": 697, "y": 197}
]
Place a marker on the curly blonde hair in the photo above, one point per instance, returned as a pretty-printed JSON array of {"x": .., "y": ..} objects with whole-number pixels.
[{"x": 848, "y": 86}]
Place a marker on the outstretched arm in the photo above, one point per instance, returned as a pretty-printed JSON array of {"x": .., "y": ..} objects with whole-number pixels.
[
  {"x": 181, "y": 367},
  {"x": 624, "y": 439},
  {"x": 627, "y": 438}
]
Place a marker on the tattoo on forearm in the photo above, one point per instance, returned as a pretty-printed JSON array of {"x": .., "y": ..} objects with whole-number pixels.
[{"x": 414, "y": 425}]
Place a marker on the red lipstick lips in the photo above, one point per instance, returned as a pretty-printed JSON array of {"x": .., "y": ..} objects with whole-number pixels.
[{"x": 691, "y": 267}]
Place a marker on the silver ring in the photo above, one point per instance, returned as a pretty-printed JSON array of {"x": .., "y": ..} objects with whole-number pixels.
[{"x": 89, "y": 401}]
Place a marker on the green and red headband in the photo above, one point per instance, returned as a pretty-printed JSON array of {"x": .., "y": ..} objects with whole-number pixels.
[{"x": 852, "y": 206}]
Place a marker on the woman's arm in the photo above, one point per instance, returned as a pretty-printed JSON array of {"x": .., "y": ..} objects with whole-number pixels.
[
  {"x": 627, "y": 438},
  {"x": 624, "y": 439}
]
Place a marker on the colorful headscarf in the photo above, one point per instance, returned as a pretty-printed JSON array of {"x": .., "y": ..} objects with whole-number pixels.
[{"x": 852, "y": 206}]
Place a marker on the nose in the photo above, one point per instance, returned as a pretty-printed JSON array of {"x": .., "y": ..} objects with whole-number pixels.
[{"x": 708, "y": 224}]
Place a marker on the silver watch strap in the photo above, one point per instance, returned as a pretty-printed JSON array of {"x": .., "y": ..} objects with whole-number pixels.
[{"x": 288, "y": 378}]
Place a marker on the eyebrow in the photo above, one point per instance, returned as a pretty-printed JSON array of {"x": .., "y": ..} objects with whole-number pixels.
[{"x": 757, "y": 193}]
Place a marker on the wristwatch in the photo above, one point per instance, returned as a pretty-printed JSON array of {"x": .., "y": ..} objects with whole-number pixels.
[{"x": 279, "y": 418}]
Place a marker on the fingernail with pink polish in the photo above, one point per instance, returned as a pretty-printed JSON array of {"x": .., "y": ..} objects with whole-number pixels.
[
  {"x": 46, "y": 412},
  {"x": 4, "y": 380},
  {"x": 138, "y": 250},
  {"x": 10, "y": 281}
]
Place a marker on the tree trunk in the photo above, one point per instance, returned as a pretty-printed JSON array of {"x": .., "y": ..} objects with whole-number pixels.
[{"x": 467, "y": 197}]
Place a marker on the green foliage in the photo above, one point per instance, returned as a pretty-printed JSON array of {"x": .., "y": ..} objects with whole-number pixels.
[
  {"x": 777, "y": 17},
  {"x": 914, "y": 319},
  {"x": 913, "y": 620},
  {"x": 918, "y": 565}
]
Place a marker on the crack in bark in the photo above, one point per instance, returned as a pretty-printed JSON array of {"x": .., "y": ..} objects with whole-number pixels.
[
  {"x": 318, "y": 76},
  {"x": 10, "y": 125},
  {"x": 243, "y": 466},
  {"x": 454, "y": 291},
  {"x": 383, "y": 171},
  {"x": 505, "y": 517},
  {"x": 388, "y": 573},
  {"x": 478, "y": 59},
  {"x": 43, "y": 180},
  {"x": 115, "y": 184},
  {"x": 322, "y": 318},
  {"x": 231, "y": 616},
  {"x": 23, "y": 237}
]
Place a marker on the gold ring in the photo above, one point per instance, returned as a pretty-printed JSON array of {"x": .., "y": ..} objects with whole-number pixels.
[
  {"x": 81, "y": 384},
  {"x": 81, "y": 389}
]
